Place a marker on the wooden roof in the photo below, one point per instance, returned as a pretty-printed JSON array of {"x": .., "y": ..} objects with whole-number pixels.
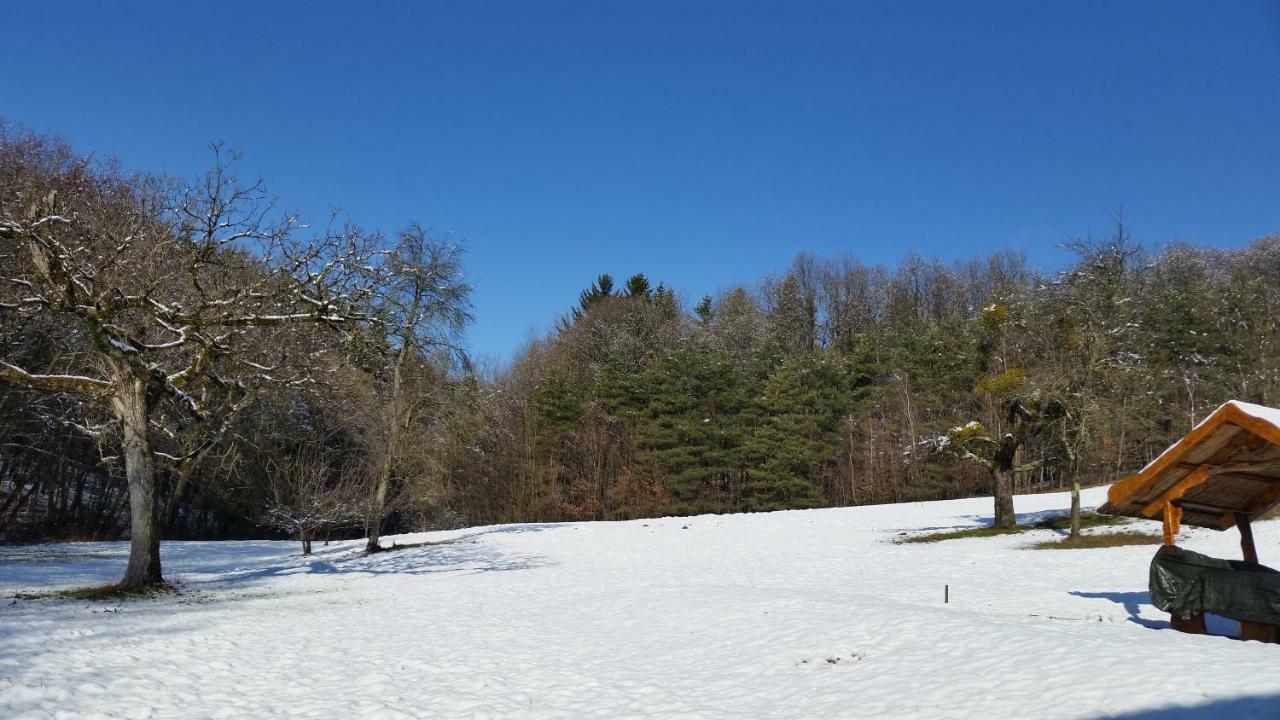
[{"x": 1228, "y": 463}]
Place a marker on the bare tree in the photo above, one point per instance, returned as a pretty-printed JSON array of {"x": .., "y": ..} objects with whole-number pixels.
[
  {"x": 423, "y": 302},
  {"x": 308, "y": 495},
  {"x": 997, "y": 453},
  {"x": 165, "y": 286}
]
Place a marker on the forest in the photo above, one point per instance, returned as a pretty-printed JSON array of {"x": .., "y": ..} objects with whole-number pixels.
[{"x": 180, "y": 359}]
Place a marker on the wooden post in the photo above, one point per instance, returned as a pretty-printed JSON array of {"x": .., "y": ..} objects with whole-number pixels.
[
  {"x": 1172, "y": 522},
  {"x": 1250, "y": 630},
  {"x": 1246, "y": 537},
  {"x": 1195, "y": 625},
  {"x": 1259, "y": 632}
]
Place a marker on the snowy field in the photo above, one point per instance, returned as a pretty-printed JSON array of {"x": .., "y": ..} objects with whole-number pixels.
[{"x": 803, "y": 614}]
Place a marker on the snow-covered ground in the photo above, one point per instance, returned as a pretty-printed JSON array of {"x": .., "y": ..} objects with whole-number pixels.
[{"x": 803, "y": 614}]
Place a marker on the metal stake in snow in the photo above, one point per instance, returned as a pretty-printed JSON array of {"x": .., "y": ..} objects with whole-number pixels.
[{"x": 946, "y": 594}]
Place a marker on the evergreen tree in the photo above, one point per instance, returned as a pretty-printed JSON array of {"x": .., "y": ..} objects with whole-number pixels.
[
  {"x": 601, "y": 289},
  {"x": 703, "y": 310},
  {"x": 637, "y": 286}
]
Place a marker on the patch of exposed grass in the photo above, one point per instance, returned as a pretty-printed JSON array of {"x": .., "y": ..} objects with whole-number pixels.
[
  {"x": 966, "y": 533},
  {"x": 1100, "y": 540},
  {"x": 1087, "y": 520},
  {"x": 115, "y": 592},
  {"x": 1059, "y": 522}
]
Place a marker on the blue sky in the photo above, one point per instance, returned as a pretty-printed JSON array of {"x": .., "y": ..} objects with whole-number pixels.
[{"x": 701, "y": 143}]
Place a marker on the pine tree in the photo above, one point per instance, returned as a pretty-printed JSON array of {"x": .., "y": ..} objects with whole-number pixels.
[
  {"x": 703, "y": 310},
  {"x": 601, "y": 289},
  {"x": 637, "y": 286}
]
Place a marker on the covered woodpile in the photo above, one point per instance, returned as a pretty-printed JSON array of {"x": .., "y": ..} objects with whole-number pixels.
[{"x": 1224, "y": 473}]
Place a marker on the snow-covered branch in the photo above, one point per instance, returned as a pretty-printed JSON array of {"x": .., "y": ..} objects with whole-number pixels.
[{"x": 75, "y": 384}]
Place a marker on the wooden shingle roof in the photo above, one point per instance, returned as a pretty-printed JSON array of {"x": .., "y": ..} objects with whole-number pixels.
[{"x": 1228, "y": 464}]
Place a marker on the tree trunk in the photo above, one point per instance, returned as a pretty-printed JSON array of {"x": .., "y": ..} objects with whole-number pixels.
[
  {"x": 1002, "y": 477},
  {"x": 1002, "y": 491},
  {"x": 378, "y": 504},
  {"x": 170, "y": 512},
  {"x": 130, "y": 405},
  {"x": 1075, "y": 508}
]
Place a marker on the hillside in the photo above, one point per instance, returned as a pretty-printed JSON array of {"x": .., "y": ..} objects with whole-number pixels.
[{"x": 814, "y": 613}]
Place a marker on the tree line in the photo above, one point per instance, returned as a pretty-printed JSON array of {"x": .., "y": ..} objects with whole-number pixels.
[
  {"x": 180, "y": 359},
  {"x": 835, "y": 382}
]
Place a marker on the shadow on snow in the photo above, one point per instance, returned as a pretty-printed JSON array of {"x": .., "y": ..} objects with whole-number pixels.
[
  {"x": 1253, "y": 706},
  {"x": 464, "y": 553},
  {"x": 982, "y": 520},
  {"x": 207, "y": 564},
  {"x": 1133, "y": 602}
]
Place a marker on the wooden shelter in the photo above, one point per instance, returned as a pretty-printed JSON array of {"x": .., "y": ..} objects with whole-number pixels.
[{"x": 1224, "y": 473}]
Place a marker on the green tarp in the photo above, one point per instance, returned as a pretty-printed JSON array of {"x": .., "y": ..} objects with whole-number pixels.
[{"x": 1184, "y": 583}]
